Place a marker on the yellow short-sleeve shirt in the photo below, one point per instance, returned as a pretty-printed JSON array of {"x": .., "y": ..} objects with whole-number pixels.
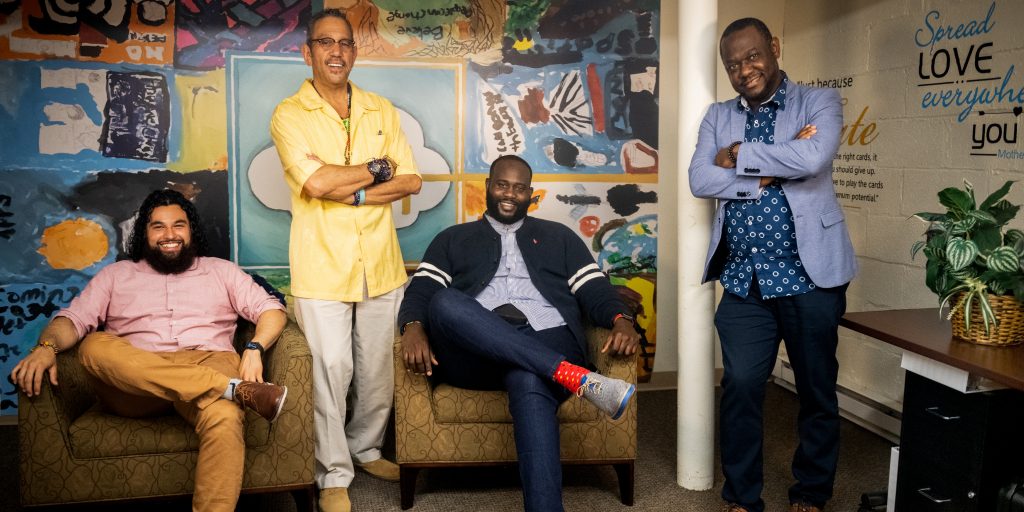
[{"x": 334, "y": 245}]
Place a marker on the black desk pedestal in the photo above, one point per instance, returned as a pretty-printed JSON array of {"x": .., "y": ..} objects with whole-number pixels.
[{"x": 957, "y": 449}]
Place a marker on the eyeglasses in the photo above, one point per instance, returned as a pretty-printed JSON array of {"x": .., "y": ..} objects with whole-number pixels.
[
  {"x": 518, "y": 188},
  {"x": 326, "y": 43}
]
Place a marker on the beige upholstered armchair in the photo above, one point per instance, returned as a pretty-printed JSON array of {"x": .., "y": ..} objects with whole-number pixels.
[
  {"x": 448, "y": 426},
  {"x": 72, "y": 452}
]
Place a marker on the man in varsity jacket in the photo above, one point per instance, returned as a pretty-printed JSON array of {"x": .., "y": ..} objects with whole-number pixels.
[{"x": 496, "y": 305}]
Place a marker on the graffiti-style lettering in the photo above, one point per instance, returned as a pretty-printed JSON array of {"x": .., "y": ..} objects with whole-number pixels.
[
  {"x": 445, "y": 12},
  {"x": 6, "y": 226},
  {"x": 21, "y": 308}
]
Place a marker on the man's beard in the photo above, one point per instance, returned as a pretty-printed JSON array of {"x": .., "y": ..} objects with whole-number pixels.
[
  {"x": 170, "y": 265},
  {"x": 495, "y": 213}
]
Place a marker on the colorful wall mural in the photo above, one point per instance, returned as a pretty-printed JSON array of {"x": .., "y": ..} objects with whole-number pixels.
[{"x": 102, "y": 101}]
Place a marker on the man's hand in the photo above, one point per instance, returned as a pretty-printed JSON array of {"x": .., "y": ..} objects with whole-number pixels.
[
  {"x": 416, "y": 350},
  {"x": 722, "y": 158},
  {"x": 623, "y": 340},
  {"x": 807, "y": 132},
  {"x": 28, "y": 373},
  {"x": 251, "y": 367}
]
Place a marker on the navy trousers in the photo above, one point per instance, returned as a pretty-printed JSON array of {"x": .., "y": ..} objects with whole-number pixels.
[
  {"x": 476, "y": 349},
  {"x": 750, "y": 330}
]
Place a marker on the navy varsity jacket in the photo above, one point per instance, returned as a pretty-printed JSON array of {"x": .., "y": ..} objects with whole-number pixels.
[{"x": 465, "y": 257}]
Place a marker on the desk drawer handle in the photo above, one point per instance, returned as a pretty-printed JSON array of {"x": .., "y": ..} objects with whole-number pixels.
[
  {"x": 934, "y": 411},
  {"x": 925, "y": 491}
]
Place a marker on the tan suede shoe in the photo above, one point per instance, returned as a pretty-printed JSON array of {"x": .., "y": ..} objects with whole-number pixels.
[
  {"x": 335, "y": 499},
  {"x": 381, "y": 468}
]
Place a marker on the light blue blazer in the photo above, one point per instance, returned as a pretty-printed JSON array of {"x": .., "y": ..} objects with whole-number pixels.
[{"x": 805, "y": 171}]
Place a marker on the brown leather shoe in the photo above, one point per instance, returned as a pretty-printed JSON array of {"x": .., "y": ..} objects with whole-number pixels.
[
  {"x": 381, "y": 468},
  {"x": 803, "y": 507},
  {"x": 732, "y": 507},
  {"x": 263, "y": 397}
]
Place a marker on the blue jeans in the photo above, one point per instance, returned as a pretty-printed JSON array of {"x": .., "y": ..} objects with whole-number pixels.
[
  {"x": 750, "y": 330},
  {"x": 476, "y": 349}
]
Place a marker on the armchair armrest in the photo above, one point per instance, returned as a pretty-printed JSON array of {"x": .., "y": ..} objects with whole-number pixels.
[
  {"x": 278, "y": 361},
  {"x": 619, "y": 367}
]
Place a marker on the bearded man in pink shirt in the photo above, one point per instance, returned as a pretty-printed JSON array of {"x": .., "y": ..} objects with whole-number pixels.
[{"x": 168, "y": 316}]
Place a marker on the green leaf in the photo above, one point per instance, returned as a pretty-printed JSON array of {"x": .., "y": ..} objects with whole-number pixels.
[
  {"x": 959, "y": 202},
  {"x": 994, "y": 197},
  {"x": 918, "y": 245},
  {"x": 1012, "y": 236},
  {"x": 1004, "y": 211},
  {"x": 932, "y": 271},
  {"x": 931, "y": 217},
  {"x": 982, "y": 217},
  {"x": 987, "y": 239},
  {"x": 963, "y": 226},
  {"x": 1003, "y": 259},
  {"x": 960, "y": 252}
]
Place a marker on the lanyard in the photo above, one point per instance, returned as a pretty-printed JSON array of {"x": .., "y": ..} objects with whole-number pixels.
[{"x": 348, "y": 129}]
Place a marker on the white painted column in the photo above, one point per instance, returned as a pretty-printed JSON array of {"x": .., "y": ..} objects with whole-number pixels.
[{"x": 695, "y": 435}]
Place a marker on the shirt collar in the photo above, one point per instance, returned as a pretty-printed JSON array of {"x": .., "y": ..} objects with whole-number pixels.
[
  {"x": 501, "y": 227},
  {"x": 778, "y": 97},
  {"x": 311, "y": 99}
]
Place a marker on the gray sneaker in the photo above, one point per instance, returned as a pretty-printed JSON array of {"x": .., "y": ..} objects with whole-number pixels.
[{"x": 608, "y": 394}]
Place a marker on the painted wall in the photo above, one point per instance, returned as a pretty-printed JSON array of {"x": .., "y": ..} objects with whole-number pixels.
[
  {"x": 932, "y": 96},
  {"x": 104, "y": 100}
]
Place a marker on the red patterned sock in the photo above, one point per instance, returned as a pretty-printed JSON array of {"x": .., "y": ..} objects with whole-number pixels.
[{"x": 570, "y": 376}]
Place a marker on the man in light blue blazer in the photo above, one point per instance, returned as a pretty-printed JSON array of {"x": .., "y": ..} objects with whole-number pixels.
[{"x": 781, "y": 250}]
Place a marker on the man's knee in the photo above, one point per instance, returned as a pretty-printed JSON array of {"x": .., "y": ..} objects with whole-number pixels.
[
  {"x": 95, "y": 350},
  {"x": 222, "y": 418}
]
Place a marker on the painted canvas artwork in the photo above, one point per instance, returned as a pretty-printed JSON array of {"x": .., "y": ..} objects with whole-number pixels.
[{"x": 103, "y": 101}]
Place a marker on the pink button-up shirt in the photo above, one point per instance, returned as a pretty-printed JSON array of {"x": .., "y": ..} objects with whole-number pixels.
[{"x": 195, "y": 310}]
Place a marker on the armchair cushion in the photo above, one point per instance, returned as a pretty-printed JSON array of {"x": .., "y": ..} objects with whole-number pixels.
[
  {"x": 457, "y": 405},
  {"x": 99, "y": 434}
]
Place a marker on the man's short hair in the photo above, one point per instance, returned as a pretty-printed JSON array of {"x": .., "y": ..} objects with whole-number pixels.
[
  {"x": 509, "y": 158},
  {"x": 743, "y": 23},
  {"x": 166, "y": 197},
  {"x": 327, "y": 13}
]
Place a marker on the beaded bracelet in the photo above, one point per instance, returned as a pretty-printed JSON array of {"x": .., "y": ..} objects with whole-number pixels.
[{"x": 48, "y": 344}]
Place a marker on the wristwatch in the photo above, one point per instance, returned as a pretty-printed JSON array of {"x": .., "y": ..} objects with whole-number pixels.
[{"x": 255, "y": 345}]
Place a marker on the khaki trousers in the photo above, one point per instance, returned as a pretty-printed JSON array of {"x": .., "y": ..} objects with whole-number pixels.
[
  {"x": 353, "y": 379},
  {"x": 134, "y": 383}
]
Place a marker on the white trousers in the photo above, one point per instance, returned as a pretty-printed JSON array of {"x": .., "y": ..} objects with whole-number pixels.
[{"x": 353, "y": 378}]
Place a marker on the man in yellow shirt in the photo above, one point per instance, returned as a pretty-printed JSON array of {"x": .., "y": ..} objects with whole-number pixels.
[{"x": 345, "y": 160}]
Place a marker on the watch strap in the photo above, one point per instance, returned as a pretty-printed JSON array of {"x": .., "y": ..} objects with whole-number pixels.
[{"x": 255, "y": 345}]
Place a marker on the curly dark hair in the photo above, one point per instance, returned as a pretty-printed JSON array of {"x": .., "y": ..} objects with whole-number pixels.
[{"x": 166, "y": 197}]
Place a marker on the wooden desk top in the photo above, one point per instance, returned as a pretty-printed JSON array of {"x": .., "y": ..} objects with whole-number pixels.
[{"x": 922, "y": 331}]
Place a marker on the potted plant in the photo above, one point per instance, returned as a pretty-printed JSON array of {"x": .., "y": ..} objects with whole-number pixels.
[{"x": 974, "y": 264}]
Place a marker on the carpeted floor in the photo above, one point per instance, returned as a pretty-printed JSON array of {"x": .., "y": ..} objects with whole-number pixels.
[{"x": 863, "y": 467}]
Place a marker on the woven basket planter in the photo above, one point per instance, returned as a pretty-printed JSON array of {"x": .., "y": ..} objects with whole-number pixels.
[{"x": 1009, "y": 329}]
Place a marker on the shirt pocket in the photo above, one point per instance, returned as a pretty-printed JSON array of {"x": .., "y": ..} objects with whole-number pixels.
[{"x": 371, "y": 136}]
